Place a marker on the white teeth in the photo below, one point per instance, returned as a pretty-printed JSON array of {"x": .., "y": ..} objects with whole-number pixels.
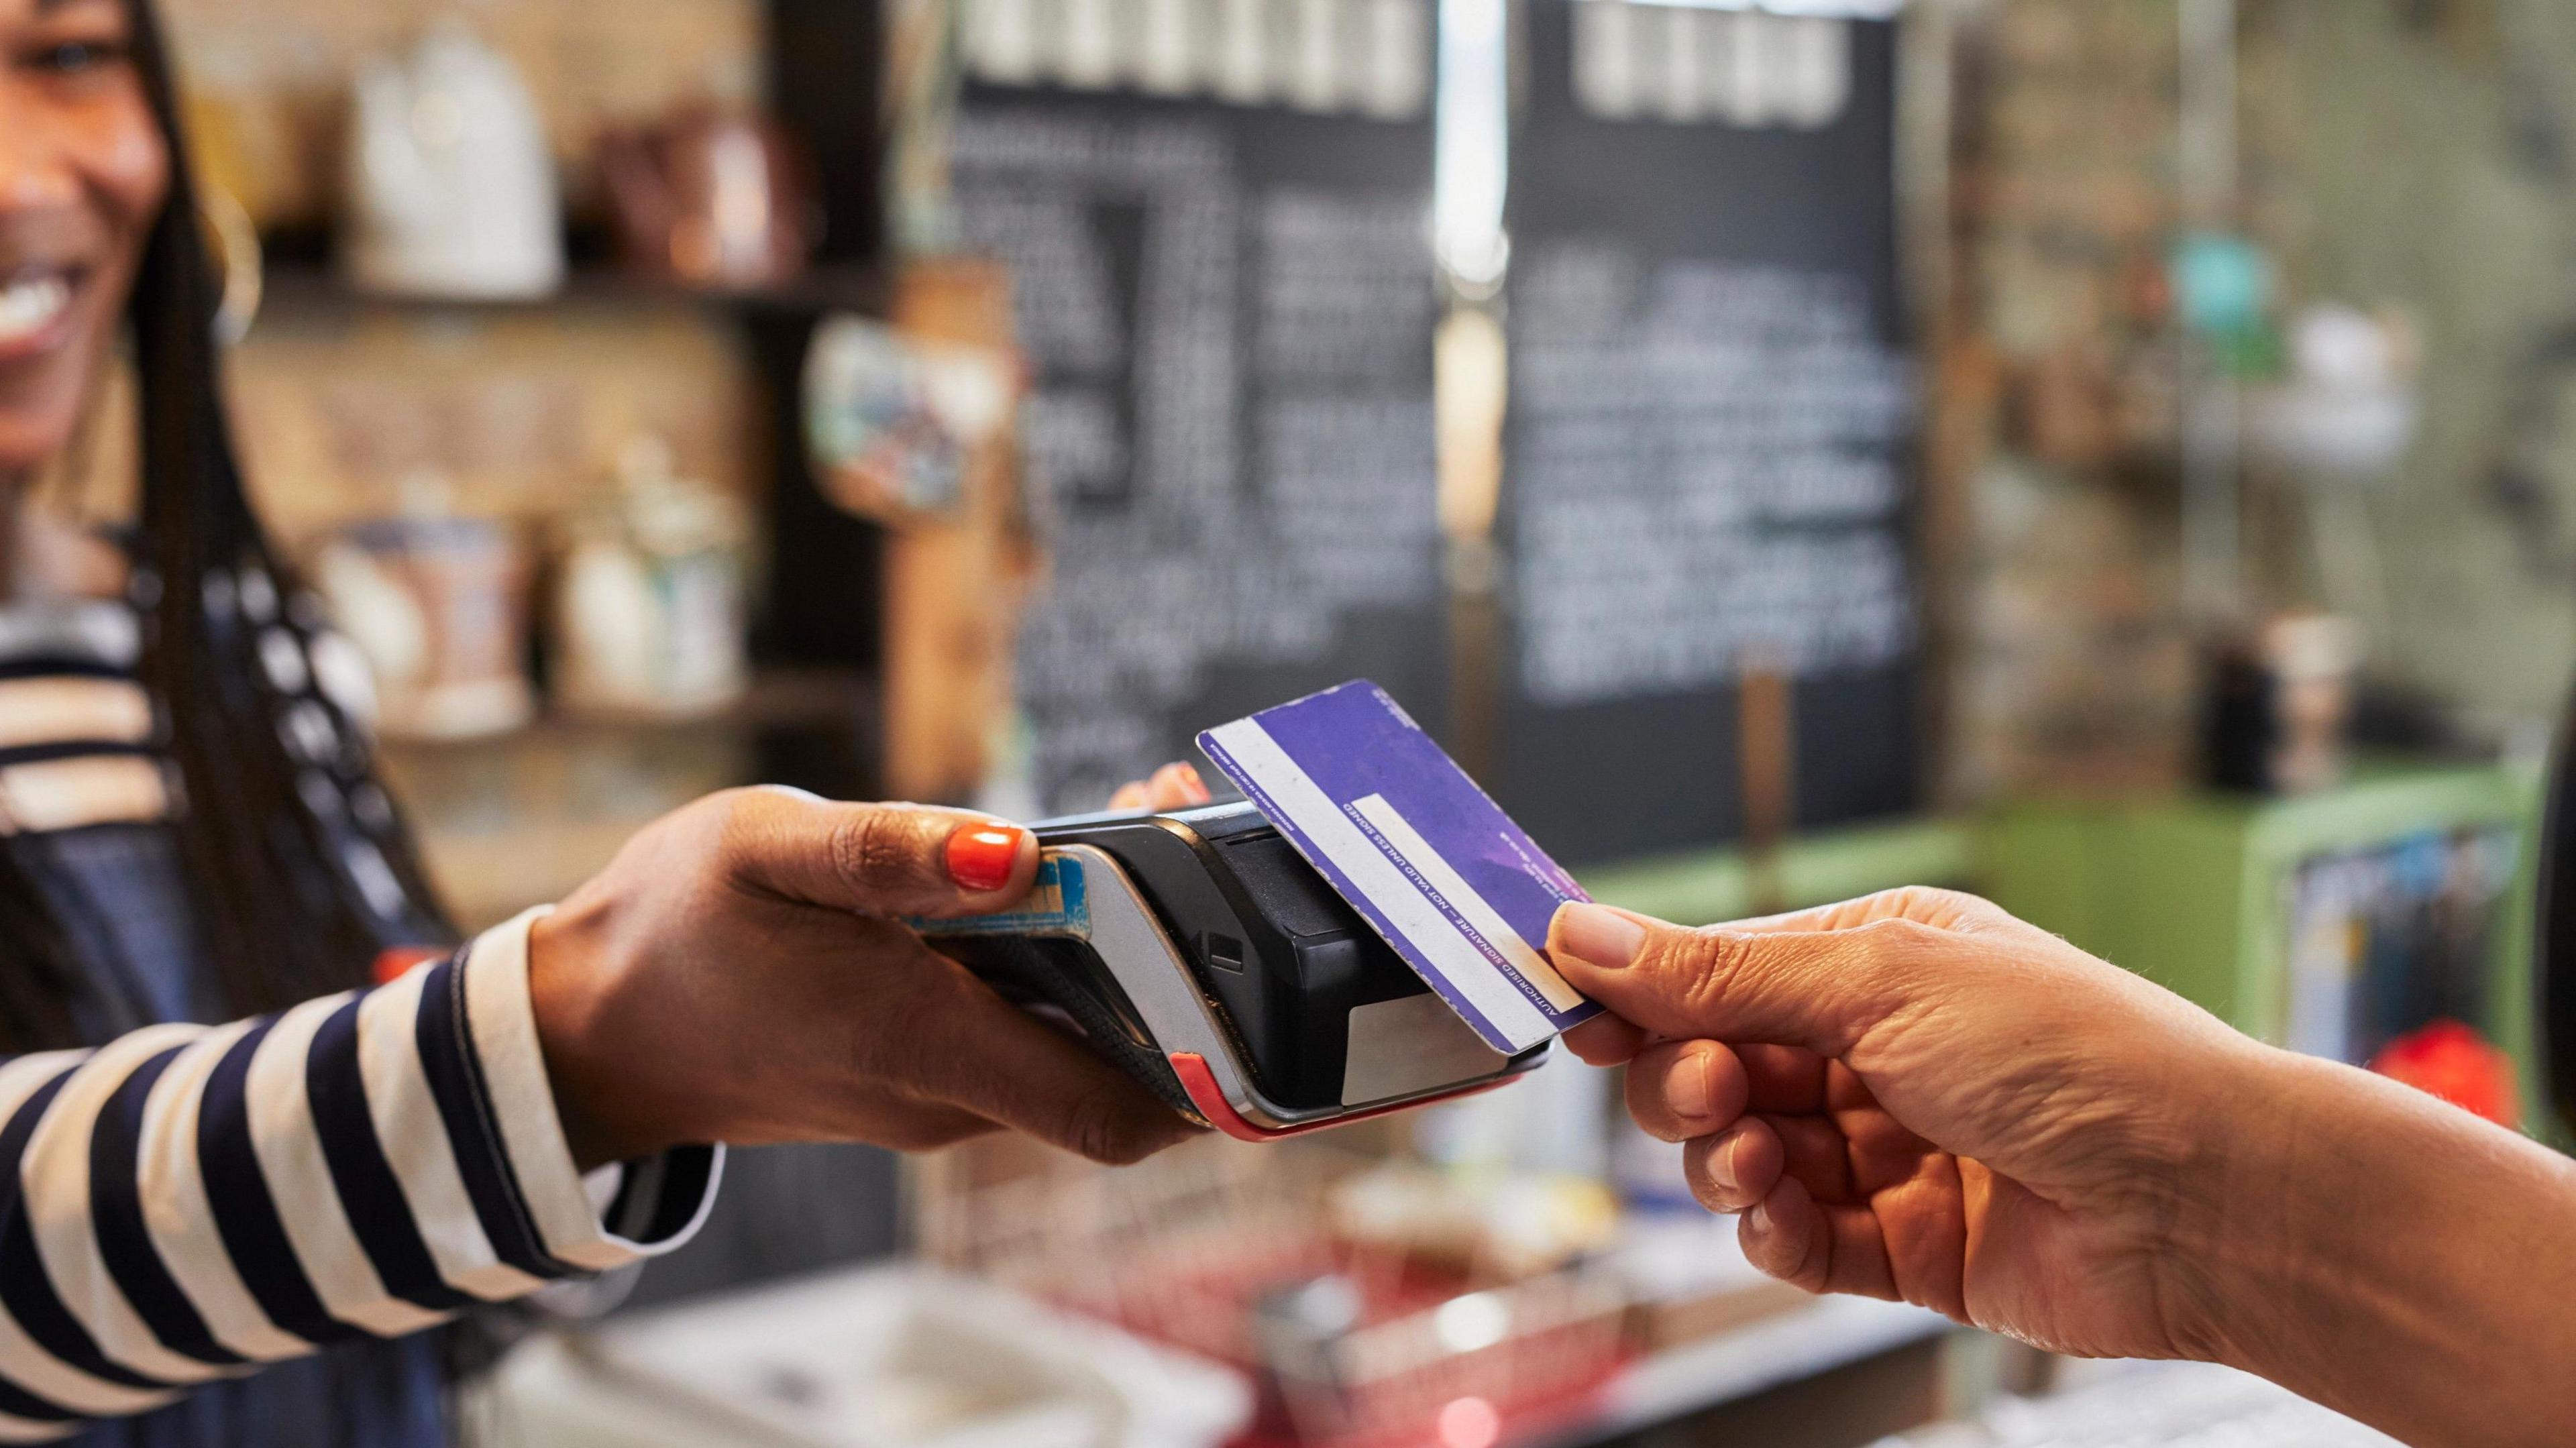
[{"x": 31, "y": 303}]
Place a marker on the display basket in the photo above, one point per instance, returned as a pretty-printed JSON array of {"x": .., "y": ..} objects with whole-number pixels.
[{"x": 1229, "y": 1250}]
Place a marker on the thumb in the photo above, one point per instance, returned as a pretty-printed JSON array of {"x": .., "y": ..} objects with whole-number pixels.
[
  {"x": 1819, "y": 989},
  {"x": 877, "y": 859}
]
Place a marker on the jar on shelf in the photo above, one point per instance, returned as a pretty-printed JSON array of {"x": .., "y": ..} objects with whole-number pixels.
[
  {"x": 650, "y": 604},
  {"x": 438, "y": 606}
]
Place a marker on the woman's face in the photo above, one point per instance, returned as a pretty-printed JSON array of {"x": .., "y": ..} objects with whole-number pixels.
[{"x": 82, "y": 174}]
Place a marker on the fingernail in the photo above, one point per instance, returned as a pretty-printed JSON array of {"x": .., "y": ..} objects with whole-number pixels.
[
  {"x": 982, "y": 857},
  {"x": 1758, "y": 1217},
  {"x": 1721, "y": 1164},
  {"x": 1198, "y": 785},
  {"x": 1603, "y": 939},
  {"x": 1686, "y": 1088}
]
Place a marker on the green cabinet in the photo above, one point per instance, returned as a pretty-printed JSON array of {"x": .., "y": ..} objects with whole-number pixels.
[
  {"x": 2191, "y": 891},
  {"x": 2195, "y": 892},
  {"x": 1704, "y": 887}
]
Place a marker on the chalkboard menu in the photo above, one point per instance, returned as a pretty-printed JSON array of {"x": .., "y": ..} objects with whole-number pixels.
[
  {"x": 1707, "y": 448},
  {"x": 1214, "y": 214}
]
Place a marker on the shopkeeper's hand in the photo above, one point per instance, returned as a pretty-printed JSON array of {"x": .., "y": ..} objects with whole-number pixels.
[
  {"x": 740, "y": 973},
  {"x": 1917, "y": 1096}
]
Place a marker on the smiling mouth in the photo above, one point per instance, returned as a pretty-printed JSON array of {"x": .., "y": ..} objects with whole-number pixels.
[{"x": 33, "y": 305}]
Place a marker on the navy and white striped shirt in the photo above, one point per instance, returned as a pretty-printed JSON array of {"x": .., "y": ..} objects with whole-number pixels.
[{"x": 192, "y": 1202}]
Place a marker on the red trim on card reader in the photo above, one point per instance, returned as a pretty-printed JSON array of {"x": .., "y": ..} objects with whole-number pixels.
[{"x": 1209, "y": 1098}]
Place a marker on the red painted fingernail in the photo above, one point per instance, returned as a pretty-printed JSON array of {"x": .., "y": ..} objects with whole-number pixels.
[{"x": 982, "y": 857}]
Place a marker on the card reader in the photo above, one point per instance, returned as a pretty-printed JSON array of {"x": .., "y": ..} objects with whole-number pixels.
[{"x": 1201, "y": 954}]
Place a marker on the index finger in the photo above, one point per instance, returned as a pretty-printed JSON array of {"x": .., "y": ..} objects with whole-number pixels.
[
  {"x": 983, "y": 1055},
  {"x": 1605, "y": 1040}
]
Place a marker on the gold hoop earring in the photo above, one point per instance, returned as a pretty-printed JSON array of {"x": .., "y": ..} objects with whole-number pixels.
[{"x": 244, "y": 262}]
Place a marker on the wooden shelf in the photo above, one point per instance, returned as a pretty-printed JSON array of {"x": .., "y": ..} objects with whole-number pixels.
[
  {"x": 510, "y": 820},
  {"x": 779, "y": 698},
  {"x": 305, "y": 289}
]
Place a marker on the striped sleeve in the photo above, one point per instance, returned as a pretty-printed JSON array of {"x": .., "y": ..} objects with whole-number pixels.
[{"x": 191, "y": 1202}]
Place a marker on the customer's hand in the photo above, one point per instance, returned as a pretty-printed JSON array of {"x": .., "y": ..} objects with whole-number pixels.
[
  {"x": 1174, "y": 786},
  {"x": 1917, "y": 1096},
  {"x": 740, "y": 973}
]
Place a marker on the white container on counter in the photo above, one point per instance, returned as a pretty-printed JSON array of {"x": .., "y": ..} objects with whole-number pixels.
[{"x": 897, "y": 1356}]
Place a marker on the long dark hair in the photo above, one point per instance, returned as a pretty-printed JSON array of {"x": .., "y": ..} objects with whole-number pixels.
[{"x": 299, "y": 870}]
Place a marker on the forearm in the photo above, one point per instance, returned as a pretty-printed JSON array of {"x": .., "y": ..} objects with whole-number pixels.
[
  {"x": 2378, "y": 1251},
  {"x": 194, "y": 1202}
]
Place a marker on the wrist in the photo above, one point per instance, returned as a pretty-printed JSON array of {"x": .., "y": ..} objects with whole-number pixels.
[
  {"x": 595, "y": 1096},
  {"x": 2245, "y": 1230},
  {"x": 2240, "y": 1203},
  {"x": 2368, "y": 1236}
]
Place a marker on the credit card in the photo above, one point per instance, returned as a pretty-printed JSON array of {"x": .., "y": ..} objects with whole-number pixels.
[
  {"x": 1410, "y": 841},
  {"x": 1058, "y": 903}
]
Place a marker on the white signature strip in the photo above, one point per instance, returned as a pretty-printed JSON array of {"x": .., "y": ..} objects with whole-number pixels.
[
  {"x": 1462, "y": 897},
  {"x": 1442, "y": 945}
]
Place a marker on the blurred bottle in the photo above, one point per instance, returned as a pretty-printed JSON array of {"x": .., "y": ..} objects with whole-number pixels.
[
  {"x": 451, "y": 187},
  {"x": 710, "y": 198},
  {"x": 438, "y": 605},
  {"x": 2279, "y": 710},
  {"x": 649, "y": 611}
]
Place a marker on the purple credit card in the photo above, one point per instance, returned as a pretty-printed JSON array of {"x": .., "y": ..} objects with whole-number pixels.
[{"x": 1411, "y": 842}]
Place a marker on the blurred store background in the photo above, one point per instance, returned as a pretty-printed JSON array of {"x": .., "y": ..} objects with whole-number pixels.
[{"x": 2116, "y": 455}]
